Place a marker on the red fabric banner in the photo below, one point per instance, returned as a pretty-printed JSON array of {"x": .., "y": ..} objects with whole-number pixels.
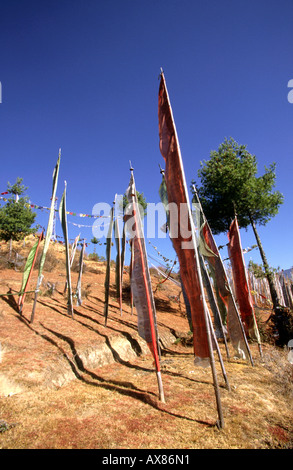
[
  {"x": 227, "y": 307},
  {"x": 182, "y": 237},
  {"x": 140, "y": 277},
  {"x": 242, "y": 290}
]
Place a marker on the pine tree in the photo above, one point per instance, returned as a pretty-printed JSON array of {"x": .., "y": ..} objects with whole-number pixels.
[
  {"x": 16, "y": 216},
  {"x": 95, "y": 242},
  {"x": 229, "y": 186}
]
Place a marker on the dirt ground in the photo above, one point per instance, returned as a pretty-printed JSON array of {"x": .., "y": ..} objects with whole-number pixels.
[{"x": 74, "y": 383}]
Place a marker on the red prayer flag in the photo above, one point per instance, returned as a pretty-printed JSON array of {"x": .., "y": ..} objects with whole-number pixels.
[
  {"x": 227, "y": 306},
  {"x": 242, "y": 290},
  {"x": 141, "y": 281},
  {"x": 183, "y": 237}
]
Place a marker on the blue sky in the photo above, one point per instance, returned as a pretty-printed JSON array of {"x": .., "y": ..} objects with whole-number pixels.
[{"x": 83, "y": 76}]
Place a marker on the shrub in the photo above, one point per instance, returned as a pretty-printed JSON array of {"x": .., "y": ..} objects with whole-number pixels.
[
  {"x": 281, "y": 326},
  {"x": 51, "y": 261}
]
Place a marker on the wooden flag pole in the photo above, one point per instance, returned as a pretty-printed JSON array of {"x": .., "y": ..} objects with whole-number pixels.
[
  {"x": 219, "y": 353},
  {"x": 72, "y": 255},
  {"x": 213, "y": 301},
  {"x": 36, "y": 297}
]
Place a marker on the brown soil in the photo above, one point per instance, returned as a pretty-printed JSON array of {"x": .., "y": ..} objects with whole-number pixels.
[{"x": 76, "y": 383}]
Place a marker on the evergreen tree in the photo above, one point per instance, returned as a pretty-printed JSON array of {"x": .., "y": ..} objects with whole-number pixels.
[
  {"x": 229, "y": 187},
  {"x": 95, "y": 242},
  {"x": 16, "y": 217},
  {"x": 141, "y": 201}
]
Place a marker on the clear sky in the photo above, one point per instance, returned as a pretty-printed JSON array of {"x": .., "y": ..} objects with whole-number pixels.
[{"x": 83, "y": 76}]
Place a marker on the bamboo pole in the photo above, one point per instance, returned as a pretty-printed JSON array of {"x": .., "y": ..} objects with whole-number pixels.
[
  {"x": 219, "y": 354},
  {"x": 215, "y": 305}
]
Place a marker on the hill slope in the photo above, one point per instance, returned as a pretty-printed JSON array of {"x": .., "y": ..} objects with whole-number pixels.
[{"x": 74, "y": 383}]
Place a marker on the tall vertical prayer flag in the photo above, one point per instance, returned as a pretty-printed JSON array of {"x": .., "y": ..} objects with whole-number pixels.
[
  {"x": 183, "y": 238},
  {"x": 108, "y": 267},
  {"x": 78, "y": 286},
  {"x": 141, "y": 281},
  {"x": 63, "y": 220},
  {"x": 118, "y": 274},
  {"x": 72, "y": 255},
  {"x": 225, "y": 300},
  {"x": 123, "y": 247},
  {"x": 241, "y": 285},
  {"x": 48, "y": 233},
  {"x": 182, "y": 235}
]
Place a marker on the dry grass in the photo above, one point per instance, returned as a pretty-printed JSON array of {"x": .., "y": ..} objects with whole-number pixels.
[
  {"x": 76, "y": 384},
  {"x": 117, "y": 407}
]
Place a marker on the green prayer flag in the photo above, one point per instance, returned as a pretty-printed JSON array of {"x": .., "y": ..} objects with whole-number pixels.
[{"x": 28, "y": 266}]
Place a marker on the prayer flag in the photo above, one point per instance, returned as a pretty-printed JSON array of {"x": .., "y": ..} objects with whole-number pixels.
[
  {"x": 63, "y": 220},
  {"x": 78, "y": 286},
  {"x": 118, "y": 274},
  {"x": 182, "y": 230},
  {"x": 48, "y": 233},
  {"x": 108, "y": 267},
  {"x": 72, "y": 255},
  {"x": 241, "y": 285},
  {"x": 141, "y": 281},
  {"x": 30, "y": 262},
  {"x": 225, "y": 300}
]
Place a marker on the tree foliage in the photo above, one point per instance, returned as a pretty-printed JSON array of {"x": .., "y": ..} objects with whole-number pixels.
[
  {"x": 95, "y": 241},
  {"x": 230, "y": 185},
  {"x": 16, "y": 217},
  {"x": 258, "y": 270},
  {"x": 141, "y": 202}
]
